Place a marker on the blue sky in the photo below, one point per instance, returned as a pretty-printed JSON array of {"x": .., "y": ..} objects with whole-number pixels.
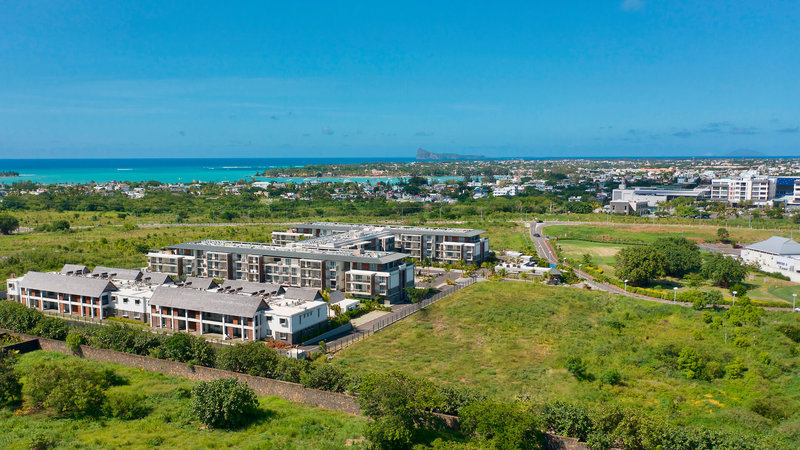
[{"x": 273, "y": 79}]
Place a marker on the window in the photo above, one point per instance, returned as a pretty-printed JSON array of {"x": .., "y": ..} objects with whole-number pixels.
[
  {"x": 283, "y": 322},
  {"x": 124, "y": 300},
  {"x": 138, "y": 301}
]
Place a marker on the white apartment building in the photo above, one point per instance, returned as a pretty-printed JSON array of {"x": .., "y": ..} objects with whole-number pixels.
[{"x": 748, "y": 187}]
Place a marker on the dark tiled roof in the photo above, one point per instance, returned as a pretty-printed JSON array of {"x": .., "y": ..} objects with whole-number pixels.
[
  {"x": 207, "y": 301},
  {"x": 54, "y": 282}
]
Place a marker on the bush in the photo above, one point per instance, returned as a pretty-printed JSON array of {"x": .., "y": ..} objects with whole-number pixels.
[
  {"x": 690, "y": 363},
  {"x": 612, "y": 377},
  {"x": 127, "y": 406},
  {"x": 183, "y": 347},
  {"x": 568, "y": 420},
  {"x": 223, "y": 403},
  {"x": 10, "y": 387},
  {"x": 501, "y": 425},
  {"x": 325, "y": 377},
  {"x": 18, "y": 317},
  {"x": 453, "y": 398},
  {"x": 735, "y": 369},
  {"x": 70, "y": 387},
  {"x": 8, "y": 223},
  {"x": 577, "y": 367},
  {"x": 74, "y": 341},
  {"x": 52, "y": 328},
  {"x": 252, "y": 358}
]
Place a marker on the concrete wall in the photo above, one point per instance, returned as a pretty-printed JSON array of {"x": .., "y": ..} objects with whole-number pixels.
[{"x": 329, "y": 334}]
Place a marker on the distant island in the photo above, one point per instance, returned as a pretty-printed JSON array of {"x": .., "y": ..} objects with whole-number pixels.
[
  {"x": 424, "y": 155},
  {"x": 9, "y": 174}
]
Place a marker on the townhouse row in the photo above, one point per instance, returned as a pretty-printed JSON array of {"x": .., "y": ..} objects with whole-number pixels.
[{"x": 235, "y": 309}]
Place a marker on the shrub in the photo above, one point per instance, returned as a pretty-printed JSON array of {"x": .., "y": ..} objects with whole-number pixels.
[
  {"x": 612, "y": 377},
  {"x": 18, "y": 317},
  {"x": 501, "y": 425},
  {"x": 52, "y": 328},
  {"x": 74, "y": 341},
  {"x": 577, "y": 367},
  {"x": 186, "y": 348},
  {"x": 325, "y": 377},
  {"x": 8, "y": 223},
  {"x": 223, "y": 403},
  {"x": 453, "y": 398},
  {"x": 10, "y": 387},
  {"x": 735, "y": 369},
  {"x": 70, "y": 387},
  {"x": 568, "y": 420},
  {"x": 127, "y": 406},
  {"x": 790, "y": 331},
  {"x": 690, "y": 363},
  {"x": 252, "y": 358}
]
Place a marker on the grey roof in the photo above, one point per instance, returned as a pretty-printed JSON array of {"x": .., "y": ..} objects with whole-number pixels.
[
  {"x": 73, "y": 269},
  {"x": 119, "y": 274},
  {"x": 156, "y": 278},
  {"x": 776, "y": 245},
  {"x": 200, "y": 283},
  {"x": 256, "y": 248},
  {"x": 306, "y": 294},
  {"x": 436, "y": 231},
  {"x": 252, "y": 287},
  {"x": 55, "y": 282},
  {"x": 336, "y": 296},
  {"x": 207, "y": 301}
]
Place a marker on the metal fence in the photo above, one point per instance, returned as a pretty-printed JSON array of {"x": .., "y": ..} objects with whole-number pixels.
[{"x": 376, "y": 325}]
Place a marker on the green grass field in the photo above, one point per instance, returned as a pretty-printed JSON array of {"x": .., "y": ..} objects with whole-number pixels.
[
  {"x": 644, "y": 233},
  {"x": 512, "y": 339},
  {"x": 280, "y": 425}
]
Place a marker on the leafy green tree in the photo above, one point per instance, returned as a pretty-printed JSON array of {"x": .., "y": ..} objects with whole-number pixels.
[
  {"x": 723, "y": 271},
  {"x": 612, "y": 377},
  {"x": 399, "y": 405},
  {"x": 224, "y": 403},
  {"x": 690, "y": 363},
  {"x": 640, "y": 265},
  {"x": 186, "y": 348},
  {"x": 325, "y": 377},
  {"x": 723, "y": 235},
  {"x": 8, "y": 223},
  {"x": 252, "y": 358},
  {"x": 586, "y": 258},
  {"x": 735, "y": 369},
  {"x": 51, "y": 327},
  {"x": 505, "y": 425},
  {"x": 10, "y": 387},
  {"x": 682, "y": 256},
  {"x": 18, "y": 317},
  {"x": 70, "y": 387}
]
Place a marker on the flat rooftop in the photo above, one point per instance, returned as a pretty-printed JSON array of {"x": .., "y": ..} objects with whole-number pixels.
[
  {"x": 343, "y": 226},
  {"x": 315, "y": 253}
]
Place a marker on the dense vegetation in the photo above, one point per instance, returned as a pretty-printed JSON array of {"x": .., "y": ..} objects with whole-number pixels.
[{"x": 730, "y": 371}]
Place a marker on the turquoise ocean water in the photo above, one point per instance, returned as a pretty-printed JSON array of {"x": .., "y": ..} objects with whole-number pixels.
[{"x": 171, "y": 170}]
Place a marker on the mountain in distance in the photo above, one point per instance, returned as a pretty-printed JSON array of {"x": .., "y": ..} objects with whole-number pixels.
[
  {"x": 424, "y": 155},
  {"x": 745, "y": 153}
]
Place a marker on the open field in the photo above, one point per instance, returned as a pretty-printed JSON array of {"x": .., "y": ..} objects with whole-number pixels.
[
  {"x": 510, "y": 339},
  {"x": 280, "y": 425},
  {"x": 602, "y": 253},
  {"x": 644, "y": 233}
]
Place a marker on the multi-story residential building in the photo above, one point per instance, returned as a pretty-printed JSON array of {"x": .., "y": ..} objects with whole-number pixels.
[
  {"x": 285, "y": 315},
  {"x": 748, "y": 187},
  {"x": 66, "y": 294},
  {"x": 299, "y": 266},
  {"x": 446, "y": 245}
]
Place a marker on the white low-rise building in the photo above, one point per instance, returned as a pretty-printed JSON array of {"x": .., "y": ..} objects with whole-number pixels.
[{"x": 776, "y": 254}]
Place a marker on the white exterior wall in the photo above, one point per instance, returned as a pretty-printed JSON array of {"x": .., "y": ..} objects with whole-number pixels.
[{"x": 788, "y": 265}]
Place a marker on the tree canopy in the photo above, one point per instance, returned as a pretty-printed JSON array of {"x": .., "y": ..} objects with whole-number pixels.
[{"x": 640, "y": 265}]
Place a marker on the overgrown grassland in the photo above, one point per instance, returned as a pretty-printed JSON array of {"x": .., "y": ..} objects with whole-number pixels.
[
  {"x": 513, "y": 339},
  {"x": 644, "y": 233},
  {"x": 280, "y": 425}
]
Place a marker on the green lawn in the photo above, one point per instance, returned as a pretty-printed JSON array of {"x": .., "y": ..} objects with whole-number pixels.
[
  {"x": 512, "y": 339},
  {"x": 602, "y": 253},
  {"x": 280, "y": 425}
]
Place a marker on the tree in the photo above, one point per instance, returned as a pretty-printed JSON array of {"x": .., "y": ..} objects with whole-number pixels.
[
  {"x": 252, "y": 358},
  {"x": 640, "y": 265},
  {"x": 690, "y": 363},
  {"x": 325, "y": 377},
  {"x": 18, "y": 317},
  {"x": 223, "y": 403},
  {"x": 586, "y": 258},
  {"x": 682, "y": 256},
  {"x": 186, "y": 348},
  {"x": 723, "y": 271},
  {"x": 8, "y": 223},
  {"x": 723, "y": 235},
  {"x": 70, "y": 387},
  {"x": 10, "y": 387},
  {"x": 398, "y": 405},
  {"x": 501, "y": 425}
]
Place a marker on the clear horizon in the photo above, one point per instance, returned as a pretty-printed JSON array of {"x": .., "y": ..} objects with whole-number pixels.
[{"x": 621, "y": 78}]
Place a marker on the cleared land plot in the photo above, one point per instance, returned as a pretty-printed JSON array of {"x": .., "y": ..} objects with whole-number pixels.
[
  {"x": 509, "y": 339},
  {"x": 642, "y": 234},
  {"x": 281, "y": 424}
]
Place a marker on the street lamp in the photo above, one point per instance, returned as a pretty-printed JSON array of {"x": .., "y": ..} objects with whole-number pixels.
[
  {"x": 734, "y": 298},
  {"x": 626, "y": 285},
  {"x": 675, "y": 297}
]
